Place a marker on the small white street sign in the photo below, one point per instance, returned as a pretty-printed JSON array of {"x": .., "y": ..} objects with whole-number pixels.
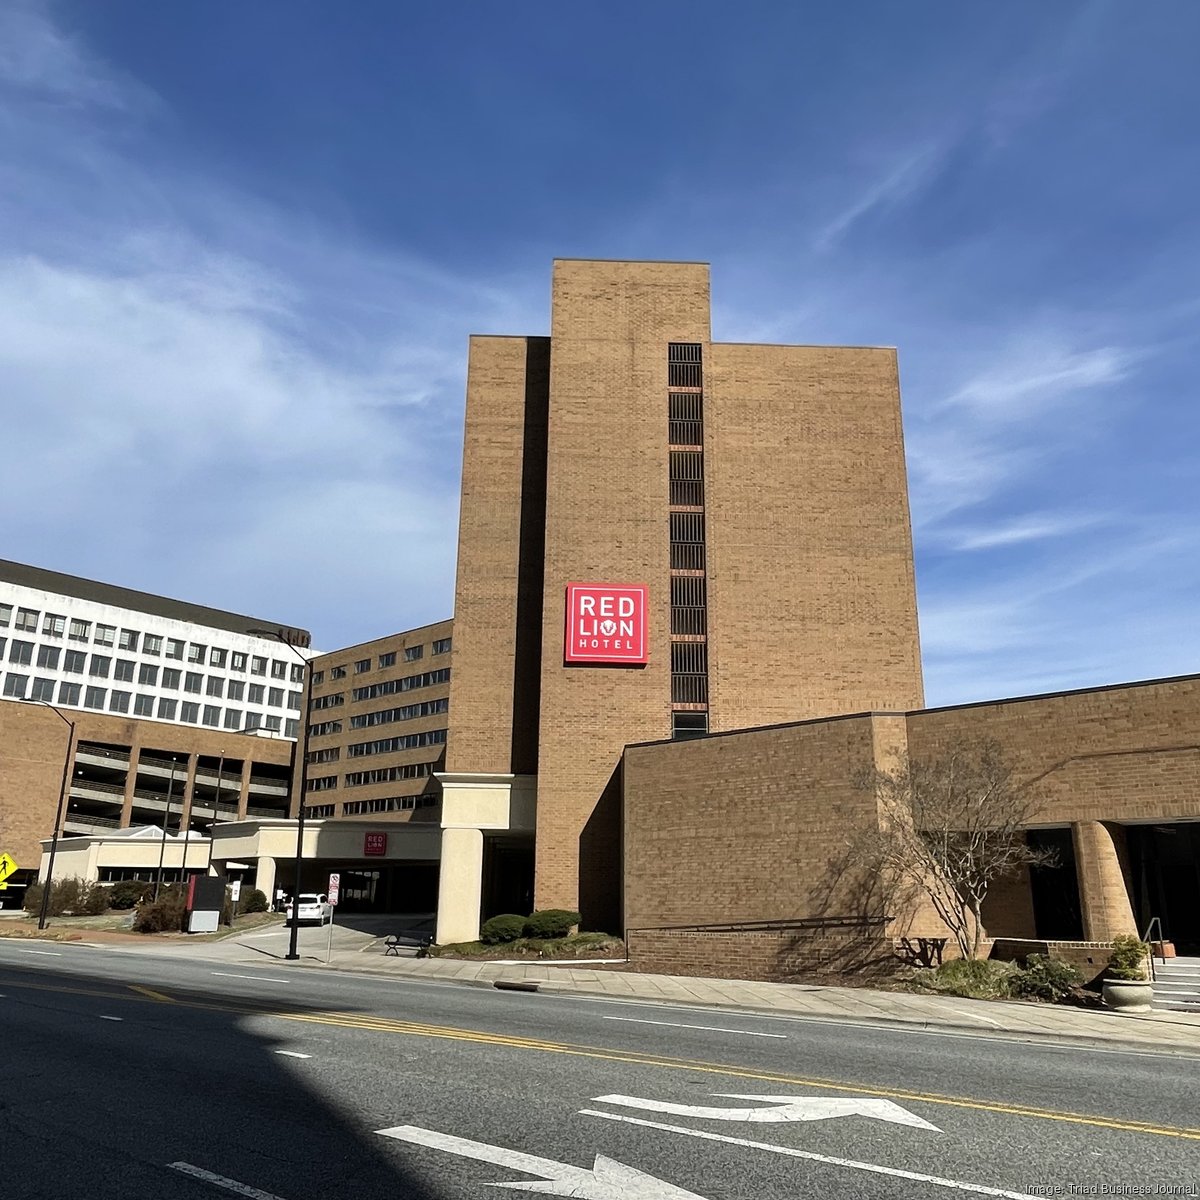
[{"x": 335, "y": 885}]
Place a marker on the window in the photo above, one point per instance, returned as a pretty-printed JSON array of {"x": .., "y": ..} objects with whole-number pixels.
[
  {"x": 291, "y": 727},
  {"x": 441, "y": 646},
  {"x": 216, "y": 686},
  {"x": 196, "y": 652},
  {"x": 106, "y": 635},
  {"x": 5, "y": 614},
  {"x": 73, "y": 662},
  {"x": 275, "y": 697},
  {"x": 123, "y": 670},
  {"x": 152, "y": 644},
  {"x": 331, "y": 701},
  {"x": 337, "y": 672},
  {"x": 48, "y": 657},
  {"x": 388, "y": 774},
  {"x": 15, "y": 685},
  {"x": 20, "y": 652},
  {"x": 27, "y": 619},
  {"x": 54, "y": 625},
  {"x": 3, "y": 643},
  {"x": 192, "y": 682},
  {"x": 233, "y": 718},
  {"x": 294, "y": 700},
  {"x": 385, "y": 716},
  {"x": 217, "y": 657},
  {"x": 43, "y": 689},
  {"x": 94, "y": 697},
  {"x": 274, "y": 723},
  {"x": 324, "y": 728},
  {"x": 212, "y": 715},
  {"x": 236, "y": 690},
  {"x": 391, "y": 686},
  {"x": 101, "y": 666},
  {"x": 325, "y": 756},
  {"x": 688, "y": 725},
  {"x": 405, "y": 741},
  {"x": 318, "y": 677},
  {"x": 363, "y": 664},
  {"x": 80, "y": 631},
  {"x": 318, "y": 811},
  {"x": 171, "y": 677},
  {"x": 189, "y": 711},
  {"x": 388, "y": 804},
  {"x": 128, "y": 640},
  {"x": 167, "y": 708},
  {"x": 148, "y": 674},
  {"x": 68, "y": 693},
  {"x": 297, "y": 675},
  {"x": 258, "y": 665},
  {"x": 118, "y": 702},
  {"x": 175, "y": 648},
  {"x": 413, "y": 653},
  {"x": 143, "y": 706},
  {"x": 237, "y": 661},
  {"x": 278, "y": 669},
  {"x": 257, "y": 693},
  {"x": 388, "y": 659},
  {"x": 253, "y": 721},
  {"x": 322, "y": 783}
]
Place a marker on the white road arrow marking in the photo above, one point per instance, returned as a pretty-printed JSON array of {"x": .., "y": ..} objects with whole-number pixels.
[
  {"x": 783, "y": 1108},
  {"x": 607, "y": 1179}
]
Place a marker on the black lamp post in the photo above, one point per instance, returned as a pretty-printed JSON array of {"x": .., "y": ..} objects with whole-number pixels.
[
  {"x": 293, "y": 953},
  {"x": 58, "y": 818},
  {"x": 162, "y": 849}
]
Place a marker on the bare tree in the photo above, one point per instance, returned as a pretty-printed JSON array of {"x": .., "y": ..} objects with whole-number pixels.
[{"x": 951, "y": 826}]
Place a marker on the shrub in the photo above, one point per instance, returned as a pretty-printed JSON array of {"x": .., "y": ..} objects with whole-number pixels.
[
  {"x": 505, "y": 928},
  {"x": 550, "y": 923},
  {"x": 1044, "y": 978},
  {"x": 66, "y": 896},
  {"x": 1128, "y": 958},
  {"x": 95, "y": 901},
  {"x": 33, "y": 897},
  {"x": 130, "y": 892},
  {"x": 164, "y": 914},
  {"x": 253, "y": 901},
  {"x": 977, "y": 978}
]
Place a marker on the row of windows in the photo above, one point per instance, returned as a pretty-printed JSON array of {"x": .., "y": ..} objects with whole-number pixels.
[
  {"x": 324, "y": 728},
  {"x": 407, "y": 741},
  {"x": 165, "y": 708},
  {"x": 385, "y": 716},
  {"x": 318, "y": 811},
  {"x": 325, "y": 756},
  {"x": 56, "y": 625},
  {"x": 353, "y": 808},
  {"x": 409, "y": 683},
  {"x": 322, "y": 783},
  {"x": 362, "y": 665},
  {"x": 390, "y": 774},
  {"x": 122, "y": 670}
]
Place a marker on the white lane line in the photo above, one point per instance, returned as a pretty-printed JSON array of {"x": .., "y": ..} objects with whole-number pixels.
[
  {"x": 49, "y": 953},
  {"x": 230, "y": 1185},
  {"x": 104, "y": 1018},
  {"x": 292, "y": 1054},
  {"x": 256, "y": 978},
  {"x": 875, "y": 1169},
  {"x": 711, "y": 1028}
]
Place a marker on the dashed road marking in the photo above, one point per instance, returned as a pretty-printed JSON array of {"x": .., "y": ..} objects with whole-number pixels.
[{"x": 230, "y": 1185}]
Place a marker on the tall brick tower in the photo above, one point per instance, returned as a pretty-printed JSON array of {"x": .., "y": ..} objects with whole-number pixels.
[{"x": 736, "y": 515}]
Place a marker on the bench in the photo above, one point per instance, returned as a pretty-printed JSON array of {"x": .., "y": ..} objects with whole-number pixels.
[{"x": 420, "y": 942}]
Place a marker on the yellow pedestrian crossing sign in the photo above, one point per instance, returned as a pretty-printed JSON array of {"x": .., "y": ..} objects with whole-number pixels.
[{"x": 8, "y": 866}]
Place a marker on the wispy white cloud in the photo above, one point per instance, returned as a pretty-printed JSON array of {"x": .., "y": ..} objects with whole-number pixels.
[{"x": 1038, "y": 528}]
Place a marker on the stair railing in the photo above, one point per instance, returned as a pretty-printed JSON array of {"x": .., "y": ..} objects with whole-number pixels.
[{"x": 1154, "y": 921}]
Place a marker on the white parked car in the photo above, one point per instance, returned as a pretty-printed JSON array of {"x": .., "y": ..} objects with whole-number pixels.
[{"x": 313, "y": 907}]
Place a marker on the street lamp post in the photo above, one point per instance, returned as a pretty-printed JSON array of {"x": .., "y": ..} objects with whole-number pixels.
[
  {"x": 58, "y": 818},
  {"x": 162, "y": 849},
  {"x": 293, "y": 953}
]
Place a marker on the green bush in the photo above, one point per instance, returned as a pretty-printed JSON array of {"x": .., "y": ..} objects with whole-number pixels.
[
  {"x": 550, "y": 923},
  {"x": 253, "y": 901},
  {"x": 96, "y": 900},
  {"x": 977, "y": 978},
  {"x": 130, "y": 892},
  {"x": 166, "y": 914},
  {"x": 33, "y": 897},
  {"x": 66, "y": 896},
  {"x": 506, "y": 927},
  {"x": 1128, "y": 958},
  {"x": 1044, "y": 978}
]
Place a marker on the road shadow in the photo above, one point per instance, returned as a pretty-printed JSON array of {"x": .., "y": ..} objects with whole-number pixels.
[{"x": 104, "y": 1089}]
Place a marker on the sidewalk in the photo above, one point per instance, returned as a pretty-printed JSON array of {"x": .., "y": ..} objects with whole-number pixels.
[{"x": 1025, "y": 1021}]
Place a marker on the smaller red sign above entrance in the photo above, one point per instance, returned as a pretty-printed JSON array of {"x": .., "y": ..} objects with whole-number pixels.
[
  {"x": 375, "y": 843},
  {"x": 606, "y": 623}
]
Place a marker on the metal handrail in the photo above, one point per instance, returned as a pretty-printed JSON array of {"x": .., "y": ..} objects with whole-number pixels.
[{"x": 1150, "y": 944}]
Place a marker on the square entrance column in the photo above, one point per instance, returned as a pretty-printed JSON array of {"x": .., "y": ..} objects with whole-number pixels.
[{"x": 460, "y": 885}]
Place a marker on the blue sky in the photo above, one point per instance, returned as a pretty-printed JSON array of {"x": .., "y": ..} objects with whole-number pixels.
[{"x": 242, "y": 247}]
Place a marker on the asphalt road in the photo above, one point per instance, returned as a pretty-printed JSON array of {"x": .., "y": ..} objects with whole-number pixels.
[{"x": 130, "y": 1075}]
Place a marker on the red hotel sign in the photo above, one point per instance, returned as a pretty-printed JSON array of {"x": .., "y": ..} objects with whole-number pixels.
[
  {"x": 606, "y": 623},
  {"x": 374, "y": 843}
]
